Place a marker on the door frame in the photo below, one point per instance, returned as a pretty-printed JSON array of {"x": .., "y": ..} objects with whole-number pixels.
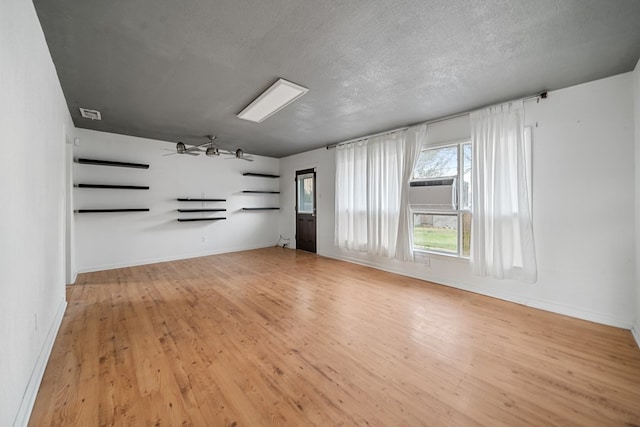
[{"x": 312, "y": 170}]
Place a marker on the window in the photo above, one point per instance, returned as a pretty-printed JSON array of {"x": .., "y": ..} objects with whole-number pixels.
[{"x": 440, "y": 195}]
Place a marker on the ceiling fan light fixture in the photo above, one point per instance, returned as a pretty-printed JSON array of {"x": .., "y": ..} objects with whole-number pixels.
[
  {"x": 212, "y": 151},
  {"x": 275, "y": 98},
  {"x": 181, "y": 148}
]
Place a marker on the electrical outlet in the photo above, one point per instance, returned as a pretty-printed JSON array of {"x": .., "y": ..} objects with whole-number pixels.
[
  {"x": 427, "y": 262},
  {"x": 204, "y": 239}
]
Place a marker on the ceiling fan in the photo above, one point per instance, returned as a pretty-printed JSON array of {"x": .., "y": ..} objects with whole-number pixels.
[
  {"x": 212, "y": 150},
  {"x": 181, "y": 148}
]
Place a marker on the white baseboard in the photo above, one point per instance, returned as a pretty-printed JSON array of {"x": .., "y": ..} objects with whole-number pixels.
[
  {"x": 635, "y": 331},
  {"x": 579, "y": 313},
  {"x": 29, "y": 397},
  {"x": 73, "y": 279},
  {"x": 147, "y": 261},
  {"x": 550, "y": 306}
]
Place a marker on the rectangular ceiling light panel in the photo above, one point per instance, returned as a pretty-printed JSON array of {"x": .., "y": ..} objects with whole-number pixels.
[
  {"x": 90, "y": 114},
  {"x": 272, "y": 100}
]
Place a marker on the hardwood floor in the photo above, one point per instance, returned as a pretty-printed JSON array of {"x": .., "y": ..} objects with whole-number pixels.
[{"x": 279, "y": 337}]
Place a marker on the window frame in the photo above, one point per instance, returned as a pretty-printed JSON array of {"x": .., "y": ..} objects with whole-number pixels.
[{"x": 458, "y": 211}]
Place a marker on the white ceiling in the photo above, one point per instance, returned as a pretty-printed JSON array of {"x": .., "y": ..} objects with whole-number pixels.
[{"x": 178, "y": 70}]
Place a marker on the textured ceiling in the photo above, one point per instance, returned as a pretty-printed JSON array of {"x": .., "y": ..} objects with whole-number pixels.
[{"x": 178, "y": 70}]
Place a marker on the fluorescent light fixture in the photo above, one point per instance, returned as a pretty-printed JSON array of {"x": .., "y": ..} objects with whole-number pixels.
[
  {"x": 90, "y": 114},
  {"x": 272, "y": 100}
]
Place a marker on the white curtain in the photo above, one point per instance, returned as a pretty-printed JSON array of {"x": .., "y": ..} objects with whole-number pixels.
[
  {"x": 414, "y": 141},
  {"x": 351, "y": 196},
  {"x": 384, "y": 155},
  {"x": 368, "y": 190},
  {"x": 502, "y": 234}
]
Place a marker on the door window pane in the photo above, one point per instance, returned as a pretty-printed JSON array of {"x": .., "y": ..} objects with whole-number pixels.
[
  {"x": 436, "y": 232},
  {"x": 305, "y": 193}
]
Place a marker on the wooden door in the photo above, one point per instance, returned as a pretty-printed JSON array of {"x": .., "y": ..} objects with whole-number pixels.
[{"x": 306, "y": 210}]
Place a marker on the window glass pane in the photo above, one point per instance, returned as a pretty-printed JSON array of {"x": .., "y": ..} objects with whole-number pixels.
[
  {"x": 305, "y": 194},
  {"x": 436, "y": 232},
  {"x": 437, "y": 163},
  {"x": 465, "y": 202},
  {"x": 466, "y": 234}
]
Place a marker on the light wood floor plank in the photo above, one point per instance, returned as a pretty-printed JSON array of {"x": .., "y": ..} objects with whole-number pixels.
[{"x": 279, "y": 337}]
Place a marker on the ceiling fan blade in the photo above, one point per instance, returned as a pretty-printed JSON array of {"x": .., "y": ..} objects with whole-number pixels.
[
  {"x": 190, "y": 153},
  {"x": 196, "y": 147}
]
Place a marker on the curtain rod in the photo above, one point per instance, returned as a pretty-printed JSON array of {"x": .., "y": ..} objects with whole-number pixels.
[{"x": 538, "y": 96}]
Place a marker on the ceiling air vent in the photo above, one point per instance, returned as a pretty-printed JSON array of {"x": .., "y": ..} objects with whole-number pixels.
[{"x": 90, "y": 114}]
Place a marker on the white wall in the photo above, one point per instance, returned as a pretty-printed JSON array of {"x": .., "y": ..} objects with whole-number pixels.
[
  {"x": 34, "y": 122},
  {"x": 636, "y": 99},
  {"x": 71, "y": 269},
  {"x": 583, "y": 182},
  {"x": 109, "y": 240}
]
